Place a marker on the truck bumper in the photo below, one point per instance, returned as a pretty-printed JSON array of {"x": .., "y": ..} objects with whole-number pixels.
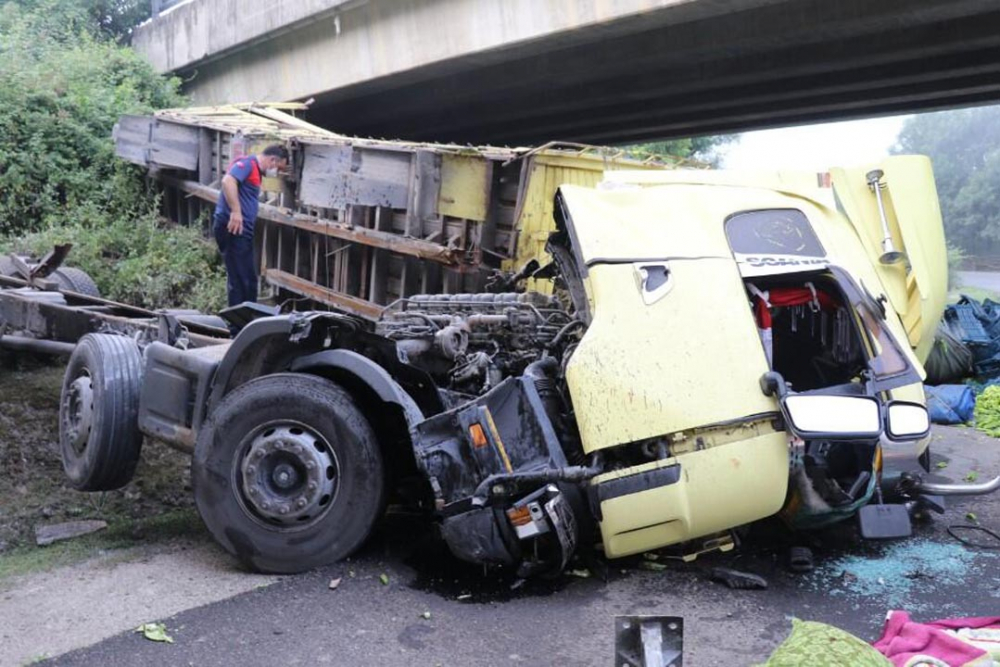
[{"x": 692, "y": 495}]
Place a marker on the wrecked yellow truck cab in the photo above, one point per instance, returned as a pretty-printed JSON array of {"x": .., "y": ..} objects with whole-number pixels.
[
  {"x": 703, "y": 287},
  {"x": 692, "y": 352}
]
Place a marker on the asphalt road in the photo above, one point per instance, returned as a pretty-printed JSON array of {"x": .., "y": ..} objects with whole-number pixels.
[{"x": 478, "y": 619}]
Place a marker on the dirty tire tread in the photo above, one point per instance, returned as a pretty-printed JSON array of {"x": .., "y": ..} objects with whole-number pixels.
[
  {"x": 76, "y": 280},
  {"x": 113, "y": 447},
  {"x": 324, "y": 407}
]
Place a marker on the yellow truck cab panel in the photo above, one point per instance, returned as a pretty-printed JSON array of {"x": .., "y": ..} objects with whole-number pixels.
[{"x": 673, "y": 351}]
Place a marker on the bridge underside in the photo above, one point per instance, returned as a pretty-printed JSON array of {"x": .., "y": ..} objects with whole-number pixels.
[{"x": 769, "y": 64}]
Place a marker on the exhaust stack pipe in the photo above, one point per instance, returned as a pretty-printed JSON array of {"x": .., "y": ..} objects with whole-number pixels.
[
  {"x": 946, "y": 489},
  {"x": 889, "y": 253}
]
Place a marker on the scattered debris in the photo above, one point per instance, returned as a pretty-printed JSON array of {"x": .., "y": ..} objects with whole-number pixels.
[
  {"x": 426, "y": 616},
  {"x": 737, "y": 579},
  {"x": 950, "y": 403},
  {"x": 972, "y": 476},
  {"x": 800, "y": 559},
  {"x": 971, "y": 516},
  {"x": 649, "y": 555},
  {"x": 987, "y": 411},
  {"x": 652, "y": 566},
  {"x": 334, "y": 583},
  {"x": 350, "y": 573},
  {"x": 57, "y": 532},
  {"x": 464, "y": 596},
  {"x": 384, "y": 578},
  {"x": 941, "y": 465},
  {"x": 156, "y": 632},
  {"x": 882, "y": 573},
  {"x": 583, "y": 574},
  {"x": 992, "y": 534},
  {"x": 901, "y": 637}
]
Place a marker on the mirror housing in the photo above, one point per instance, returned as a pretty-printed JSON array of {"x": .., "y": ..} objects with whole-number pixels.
[
  {"x": 906, "y": 421},
  {"x": 833, "y": 417}
]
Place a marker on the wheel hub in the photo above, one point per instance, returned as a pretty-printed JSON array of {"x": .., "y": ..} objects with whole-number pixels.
[
  {"x": 289, "y": 474},
  {"x": 79, "y": 412},
  {"x": 284, "y": 476}
]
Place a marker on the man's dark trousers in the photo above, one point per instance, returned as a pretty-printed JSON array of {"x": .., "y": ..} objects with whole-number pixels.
[{"x": 237, "y": 253}]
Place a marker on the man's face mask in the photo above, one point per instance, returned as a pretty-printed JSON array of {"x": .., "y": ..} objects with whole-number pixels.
[{"x": 274, "y": 168}]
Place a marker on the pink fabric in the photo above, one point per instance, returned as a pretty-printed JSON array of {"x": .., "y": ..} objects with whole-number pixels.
[{"x": 903, "y": 639}]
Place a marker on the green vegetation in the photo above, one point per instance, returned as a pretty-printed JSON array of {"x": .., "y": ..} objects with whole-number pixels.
[
  {"x": 65, "y": 82},
  {"x": 695, "y": 149},
  {"x": 110, "y": 19},
  {"x": 956, "y": 256},
  {"x": 988, "y": 412},
  {"x": 977, "y": 293},
  {"x": 965, "y": 147},
  {"x": 141, "y": 261}
]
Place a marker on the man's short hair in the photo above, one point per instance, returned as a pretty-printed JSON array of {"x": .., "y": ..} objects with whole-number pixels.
[{"x": 278, "y": 151}]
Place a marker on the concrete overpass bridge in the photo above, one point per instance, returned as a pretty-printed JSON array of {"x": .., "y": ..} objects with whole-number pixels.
[{"x": 599, "y": 71}]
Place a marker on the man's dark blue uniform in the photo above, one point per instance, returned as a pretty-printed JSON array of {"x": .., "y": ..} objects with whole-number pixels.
[{"x": 237, "y": 249}]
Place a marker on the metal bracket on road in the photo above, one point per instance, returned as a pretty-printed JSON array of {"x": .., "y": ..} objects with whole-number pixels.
[{"x": 649, "y": 641}]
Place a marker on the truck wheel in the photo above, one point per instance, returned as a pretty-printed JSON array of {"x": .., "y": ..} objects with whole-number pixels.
[
  {"x": 76, "y": 280},
  {"x": 99, "y": 413},
  {"x": 287, "y": 473}
]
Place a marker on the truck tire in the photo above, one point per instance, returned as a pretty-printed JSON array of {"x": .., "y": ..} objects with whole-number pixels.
[
  {"x": 76, "y": 280},
  {"x": 287, "y": 473},
  {"x": 99, "y": 413}
]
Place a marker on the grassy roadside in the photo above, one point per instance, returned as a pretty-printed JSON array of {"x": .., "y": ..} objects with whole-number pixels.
[
  {"x": 977, "y": 293},
  {"x": 123, "y": 537}
]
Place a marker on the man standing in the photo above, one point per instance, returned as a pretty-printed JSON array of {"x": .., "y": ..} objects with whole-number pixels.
[{"x": 235, "y": 215}]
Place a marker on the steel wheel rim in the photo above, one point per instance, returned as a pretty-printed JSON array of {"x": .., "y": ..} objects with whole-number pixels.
[
  {"x": 78, "y": 412},
  {"x": 286, "y": 475}
]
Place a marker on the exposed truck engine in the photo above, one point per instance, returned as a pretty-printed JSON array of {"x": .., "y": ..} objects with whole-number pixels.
[{"x": 470, "y": 342}]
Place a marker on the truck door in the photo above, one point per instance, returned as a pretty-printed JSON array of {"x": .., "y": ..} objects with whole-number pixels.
[{"x": 672, "y": 344}]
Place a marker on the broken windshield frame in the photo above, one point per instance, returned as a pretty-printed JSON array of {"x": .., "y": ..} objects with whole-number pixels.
[{"x": 889, "y": 365}]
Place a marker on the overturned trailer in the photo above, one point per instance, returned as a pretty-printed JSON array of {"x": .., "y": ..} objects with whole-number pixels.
[{"x": 655, "y": 362}]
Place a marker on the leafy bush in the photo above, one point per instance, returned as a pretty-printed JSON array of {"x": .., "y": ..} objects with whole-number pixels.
[
  {"x": 696, "y": 150},
  {"x": 61, "y": 92},
  {"x": 140, "y": 261},
  {"x": 64, "y": 84},
  {"x": 963, "y": 145}
]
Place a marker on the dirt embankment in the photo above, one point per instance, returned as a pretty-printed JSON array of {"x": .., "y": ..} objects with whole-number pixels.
[{"x": 33, "y": 490}]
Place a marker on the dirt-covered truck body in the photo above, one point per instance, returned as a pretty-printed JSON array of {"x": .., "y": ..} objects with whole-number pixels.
[{"x": 695, "y": 351}]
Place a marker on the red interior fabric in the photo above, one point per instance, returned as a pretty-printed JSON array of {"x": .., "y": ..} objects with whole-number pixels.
[{"x": 789, "y": 296}]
